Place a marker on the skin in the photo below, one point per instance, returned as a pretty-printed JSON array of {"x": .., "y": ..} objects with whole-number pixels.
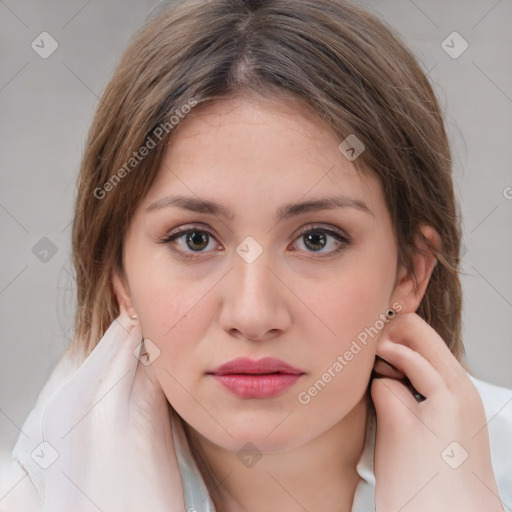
[{"x": 253, "y": 155}]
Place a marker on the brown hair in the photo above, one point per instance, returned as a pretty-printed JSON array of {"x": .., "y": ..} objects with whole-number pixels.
[{"x": 341, "y": 61}]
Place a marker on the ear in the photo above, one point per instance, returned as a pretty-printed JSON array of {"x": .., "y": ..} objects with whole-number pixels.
[
  {"x": 411, "y": 288},
  {"x": 122, "y": 293}
]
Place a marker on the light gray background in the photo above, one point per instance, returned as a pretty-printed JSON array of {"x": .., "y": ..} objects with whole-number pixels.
[{"x": 46, "y": 107}]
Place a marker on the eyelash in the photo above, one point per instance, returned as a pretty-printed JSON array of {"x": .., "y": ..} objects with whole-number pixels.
[{"x": 171, "y": 237}]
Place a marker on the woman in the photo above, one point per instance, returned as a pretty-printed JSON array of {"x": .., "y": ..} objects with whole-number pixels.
[{"x": 266, "y": 248}]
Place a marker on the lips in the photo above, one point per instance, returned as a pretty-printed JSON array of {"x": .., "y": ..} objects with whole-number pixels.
[
  {"x": 263, "y": 378},
  {"x": 266, "y": 365}
]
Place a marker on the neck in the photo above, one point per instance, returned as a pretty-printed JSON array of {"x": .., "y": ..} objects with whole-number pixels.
[{"x": 318, "y": 475}]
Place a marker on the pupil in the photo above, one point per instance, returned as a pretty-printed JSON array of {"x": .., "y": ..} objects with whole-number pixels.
[
  {"x": 314, "y": 239},
  {"x": 196, "y": 239}
]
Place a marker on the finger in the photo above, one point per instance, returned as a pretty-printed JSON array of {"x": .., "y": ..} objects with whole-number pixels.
[
  {"x": 422, "y": 375},
  {"x": 392, "y": 400},
  {"x": 412, "y": 331},
  {"x": 384, "y": 369}
]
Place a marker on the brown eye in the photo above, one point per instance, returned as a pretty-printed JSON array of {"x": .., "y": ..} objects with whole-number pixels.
[
  {"x": 316, "y": 239},
  {"x": 187, "y": 241},
  {"x": 196, "y": 240}
]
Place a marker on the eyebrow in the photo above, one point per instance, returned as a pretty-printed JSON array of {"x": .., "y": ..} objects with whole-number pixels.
[{"x": 284, "y": 212}]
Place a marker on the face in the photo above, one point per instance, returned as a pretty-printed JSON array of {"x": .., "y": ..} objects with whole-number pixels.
[{"x": 256, "y": 278}]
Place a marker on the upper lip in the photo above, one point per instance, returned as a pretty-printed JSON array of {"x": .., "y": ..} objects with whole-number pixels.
[{"x": 261, "y": 366}]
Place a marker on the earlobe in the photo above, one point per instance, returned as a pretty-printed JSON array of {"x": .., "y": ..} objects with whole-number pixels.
[
  {"x": 411, "y": 287},
  {"x": 122, "y": 294}
]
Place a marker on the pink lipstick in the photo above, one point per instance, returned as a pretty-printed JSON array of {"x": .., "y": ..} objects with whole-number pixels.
[{"x": 262, "y": 378}]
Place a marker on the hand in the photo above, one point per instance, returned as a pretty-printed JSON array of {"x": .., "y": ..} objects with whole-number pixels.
[{"x": 431, "y": 452}]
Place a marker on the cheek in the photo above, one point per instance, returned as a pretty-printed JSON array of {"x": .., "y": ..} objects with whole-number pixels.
[
  {"x": 175, "y": 314},
  {"x": 178, "y": 328},
  {"x": 348, "y": 315},
  {"x": 346, "y": 308},
  {"x": 169, "y": 304}
]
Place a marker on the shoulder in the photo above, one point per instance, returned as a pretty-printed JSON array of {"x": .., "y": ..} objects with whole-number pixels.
[{"x": 497, "y": 402}]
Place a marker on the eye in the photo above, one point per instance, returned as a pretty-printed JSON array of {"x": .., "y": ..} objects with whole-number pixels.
[
  {"x": 189, "y": 240},
  {"x": 316, "y": 238}
]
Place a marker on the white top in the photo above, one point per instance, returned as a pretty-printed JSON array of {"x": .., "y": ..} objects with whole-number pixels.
[{"x": 102, "y": 436}]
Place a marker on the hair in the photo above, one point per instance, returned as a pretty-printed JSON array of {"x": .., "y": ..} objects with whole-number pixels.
[{"x": 335, "y": 58}]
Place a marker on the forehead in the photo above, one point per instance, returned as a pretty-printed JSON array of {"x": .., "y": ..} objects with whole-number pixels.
[{"x": 259, "y": 145}]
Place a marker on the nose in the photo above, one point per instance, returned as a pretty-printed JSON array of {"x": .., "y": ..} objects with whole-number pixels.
[{"x": 255, "y": 303}]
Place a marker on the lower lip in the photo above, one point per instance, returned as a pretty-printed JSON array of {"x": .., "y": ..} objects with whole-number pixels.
[{"x": 257, "y": 386}]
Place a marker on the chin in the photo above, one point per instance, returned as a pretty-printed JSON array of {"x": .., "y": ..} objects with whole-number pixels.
[{"x": 268, "y": 434}]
